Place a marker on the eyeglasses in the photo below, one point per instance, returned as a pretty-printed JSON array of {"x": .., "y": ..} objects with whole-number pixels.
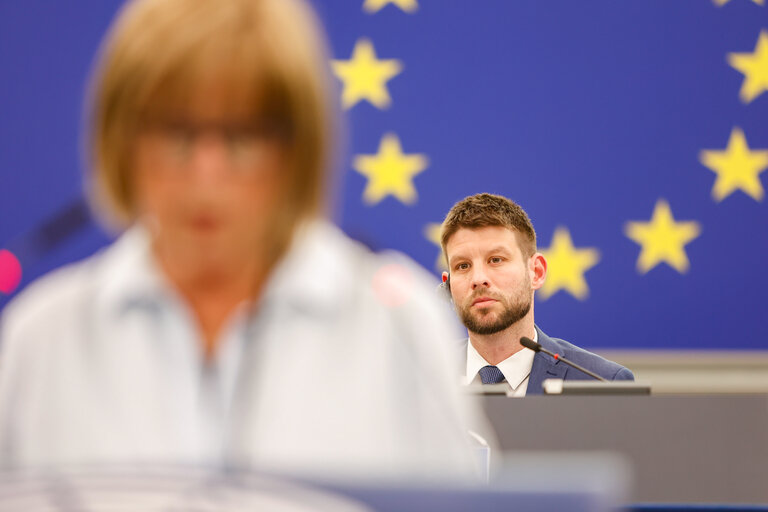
[{"x": 245, "y": 144}]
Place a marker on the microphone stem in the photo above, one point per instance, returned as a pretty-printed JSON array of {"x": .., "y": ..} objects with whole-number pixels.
[{"x": 571, "y": 363}]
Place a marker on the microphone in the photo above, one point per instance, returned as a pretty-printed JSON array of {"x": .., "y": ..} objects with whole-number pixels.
[{"x": 536, "y": 347}]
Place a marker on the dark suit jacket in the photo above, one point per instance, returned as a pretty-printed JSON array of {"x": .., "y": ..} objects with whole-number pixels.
[{"x": 546, "y": 367}]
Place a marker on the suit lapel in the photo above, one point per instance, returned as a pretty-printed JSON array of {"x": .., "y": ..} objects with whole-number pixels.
[{"x": 545, "y": 366}]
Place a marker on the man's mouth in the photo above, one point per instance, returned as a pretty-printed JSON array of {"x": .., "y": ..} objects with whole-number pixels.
[{"x": 481, "y": 301}]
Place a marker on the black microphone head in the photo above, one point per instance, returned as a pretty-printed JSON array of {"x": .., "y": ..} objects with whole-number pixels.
[{"x": 529, "y": 343}]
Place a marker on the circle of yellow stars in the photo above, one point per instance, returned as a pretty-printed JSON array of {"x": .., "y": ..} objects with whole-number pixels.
[
  {"x": 364, "y": 77},
  {"x": 662, "y": 239}
]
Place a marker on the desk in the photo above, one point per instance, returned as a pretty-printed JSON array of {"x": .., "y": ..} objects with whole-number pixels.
[{"x": 682, "y": 449}]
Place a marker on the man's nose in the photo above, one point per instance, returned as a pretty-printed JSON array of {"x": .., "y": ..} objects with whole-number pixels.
[{"x": 479, "y": 277}]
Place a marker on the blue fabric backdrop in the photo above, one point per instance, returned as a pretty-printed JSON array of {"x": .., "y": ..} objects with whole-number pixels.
[{"x": 597, "y": 116}]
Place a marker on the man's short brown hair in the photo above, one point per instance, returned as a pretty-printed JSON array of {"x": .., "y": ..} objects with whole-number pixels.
[{"x": 483, "y": 210}]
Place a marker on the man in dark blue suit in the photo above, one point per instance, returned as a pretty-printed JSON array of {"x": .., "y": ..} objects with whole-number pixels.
[{"x": 494, "y": 269}]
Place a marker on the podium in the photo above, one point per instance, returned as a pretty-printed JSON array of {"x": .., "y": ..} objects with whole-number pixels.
[{"x": 681, "y": 449}]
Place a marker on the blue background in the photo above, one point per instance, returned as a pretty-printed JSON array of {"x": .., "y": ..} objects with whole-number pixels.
[{"x": 585, "y": 112}]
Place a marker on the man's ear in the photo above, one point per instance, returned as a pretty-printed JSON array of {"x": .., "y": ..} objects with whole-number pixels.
[
  {"x": 538, "y": 268},
  {"x": 447, "y": 280}
]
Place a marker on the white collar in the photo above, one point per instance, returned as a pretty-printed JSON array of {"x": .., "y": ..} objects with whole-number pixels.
[
  {"x": 310, "y": 276},
  {"x": 515, "y": 368},
  {"x": 130, "y": 273}
]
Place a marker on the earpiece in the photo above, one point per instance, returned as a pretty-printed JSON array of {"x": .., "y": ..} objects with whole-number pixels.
[{"x": 444, "y": 288}]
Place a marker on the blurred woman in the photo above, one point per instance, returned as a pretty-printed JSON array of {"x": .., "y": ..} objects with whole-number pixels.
[{"x": 229, "y": 323}]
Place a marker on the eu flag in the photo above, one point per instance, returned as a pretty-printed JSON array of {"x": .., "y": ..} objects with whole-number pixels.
[{"x": 634, "y": 134}]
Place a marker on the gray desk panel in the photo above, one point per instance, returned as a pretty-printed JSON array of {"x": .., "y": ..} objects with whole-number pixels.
[{"x": 690, "y": 449}]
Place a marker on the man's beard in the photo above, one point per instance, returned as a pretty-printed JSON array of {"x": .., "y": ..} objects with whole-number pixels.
[{"x": 514, "y": 311}]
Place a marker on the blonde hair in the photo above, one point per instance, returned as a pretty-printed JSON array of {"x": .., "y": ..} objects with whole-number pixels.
[{"x": 270, "y": 52}]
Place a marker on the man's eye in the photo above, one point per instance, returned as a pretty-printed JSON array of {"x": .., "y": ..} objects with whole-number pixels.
[
  {"x": 462, "y": 266},
  {"x": 496, "y": 259}
]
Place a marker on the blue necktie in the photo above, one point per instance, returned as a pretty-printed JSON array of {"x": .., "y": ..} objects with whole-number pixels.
[{"x": 491, "y": 375}]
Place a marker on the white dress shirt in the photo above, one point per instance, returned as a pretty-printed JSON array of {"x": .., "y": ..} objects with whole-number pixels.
[
  {"x": 516, "y": 368},
  {"x": 342, "y": 368}
]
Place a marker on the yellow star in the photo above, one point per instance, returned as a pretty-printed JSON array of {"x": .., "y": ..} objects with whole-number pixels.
[
  {"x": 390, "y": 171},
  {"x": 721, "y": 3},
  {"x": 432, "y": 233},
  {"x": 566, "y": 266},
  {"x": 737, "y": 168},
  {"x": 372, "y": 6},
  {"x": 365, "y": 77},
  {"x": 662, "y": 239},
  {"x": 754, "y": 66}
]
